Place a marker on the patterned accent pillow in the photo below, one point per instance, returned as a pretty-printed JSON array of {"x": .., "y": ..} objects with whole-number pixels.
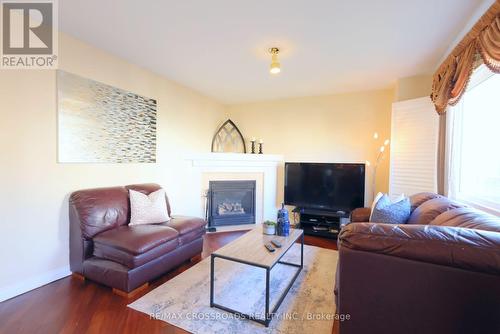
[
  {"x": 375, "y": 201},
  {"x": 148, "y": 209},
  {"x": 391, "y": 213}
]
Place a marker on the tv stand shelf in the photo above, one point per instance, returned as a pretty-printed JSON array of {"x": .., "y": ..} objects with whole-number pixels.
[{"x": 321, "y": 223}]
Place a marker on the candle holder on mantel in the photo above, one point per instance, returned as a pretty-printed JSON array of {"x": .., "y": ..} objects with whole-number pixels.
[
  {"x": 260, "y": 146},
  {"x": 253, "y": 145}
]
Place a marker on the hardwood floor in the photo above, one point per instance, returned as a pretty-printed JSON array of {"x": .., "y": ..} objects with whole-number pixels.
[{"x": 71, "y": 305}]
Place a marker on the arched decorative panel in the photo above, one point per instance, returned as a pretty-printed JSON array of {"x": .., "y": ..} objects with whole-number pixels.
[{"x": 228, "y": 138}]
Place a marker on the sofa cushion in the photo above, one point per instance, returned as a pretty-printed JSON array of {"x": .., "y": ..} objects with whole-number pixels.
[
  {"x": 133, "y": 260},
  {"x": 136, "y": 239},
  {"x": 136, "y": 245},
  {"x": 418, "y": 199},
  {"x": 185, "y": 224},
  {"x": 429, "y": 210},
  {"x": 190, "y": 236},
  {"x": 100, "y": 209},
  {"x": 469, "y": 218}
]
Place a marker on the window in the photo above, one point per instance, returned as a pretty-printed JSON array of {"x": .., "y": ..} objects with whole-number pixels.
[{"x": 477, "y": 142}]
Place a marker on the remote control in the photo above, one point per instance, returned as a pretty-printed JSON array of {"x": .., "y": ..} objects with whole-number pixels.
[
  {"x": 276, "y": 243},
  {"x": 269, "y": 247}
]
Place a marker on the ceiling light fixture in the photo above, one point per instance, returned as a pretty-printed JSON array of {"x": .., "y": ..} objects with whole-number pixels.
[{"x": 275, "y": 64}]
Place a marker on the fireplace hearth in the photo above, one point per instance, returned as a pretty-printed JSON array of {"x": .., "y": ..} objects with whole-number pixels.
[{"x": 231, "y": 203}]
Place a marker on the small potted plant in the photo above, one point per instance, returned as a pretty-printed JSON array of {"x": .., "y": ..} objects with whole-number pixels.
[{"x": 269, "y": 227}]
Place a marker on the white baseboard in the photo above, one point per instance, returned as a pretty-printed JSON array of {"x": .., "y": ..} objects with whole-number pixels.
[{"x": 34, "y": 282}]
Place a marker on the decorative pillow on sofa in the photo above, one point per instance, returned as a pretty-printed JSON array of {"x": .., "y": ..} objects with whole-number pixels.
[
  {"x": 375, "y": 201},
  {"x": 391, "y": 213},
  {"x": 378, "y": 197},
  {"x": 148, "y": 209}
]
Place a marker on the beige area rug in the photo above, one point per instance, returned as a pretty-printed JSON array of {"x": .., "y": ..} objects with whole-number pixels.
[{"x": 309, "y": 307}]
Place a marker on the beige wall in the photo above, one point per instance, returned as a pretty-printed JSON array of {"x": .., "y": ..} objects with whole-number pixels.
[
  {"x": 35, "y": 187},
  {"x": 334, "y": 128},
  {"x": 413, "y": 87}
]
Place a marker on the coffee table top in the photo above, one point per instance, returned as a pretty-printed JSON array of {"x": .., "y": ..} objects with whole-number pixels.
[{"x": 250, "y": 247}]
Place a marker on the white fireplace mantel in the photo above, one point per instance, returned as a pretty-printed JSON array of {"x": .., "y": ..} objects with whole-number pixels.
[
  {"x": 234, "y": 159},
  {"x": 263, "y": 168}
]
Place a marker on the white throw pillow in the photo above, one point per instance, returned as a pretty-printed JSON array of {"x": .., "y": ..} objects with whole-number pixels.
[
  {"x": 378, "y": 197},
  {"x": 399, "y": 198},
  {"x": 148, "y": 209}
]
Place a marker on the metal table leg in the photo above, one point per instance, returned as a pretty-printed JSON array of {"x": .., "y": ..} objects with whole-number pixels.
[
  {"x": 302, "y": 251},
  {"x": 267, "y": 315},
  {"x": 212, "y": 264}
]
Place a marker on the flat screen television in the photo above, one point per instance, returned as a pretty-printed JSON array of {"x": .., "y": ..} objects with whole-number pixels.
[{"x": 325, "y": 186}]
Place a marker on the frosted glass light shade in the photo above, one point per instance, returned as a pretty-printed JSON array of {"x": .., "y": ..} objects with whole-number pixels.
[
  {"x": 275, "y": 64},
  {"x": 275, "y": 68}
]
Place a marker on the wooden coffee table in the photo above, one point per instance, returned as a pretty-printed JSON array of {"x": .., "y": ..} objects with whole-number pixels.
[{"x": 249, "y": 249}]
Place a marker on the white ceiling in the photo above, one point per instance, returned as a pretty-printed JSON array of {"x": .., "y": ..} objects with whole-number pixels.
[{"x": 219, "y": 47}]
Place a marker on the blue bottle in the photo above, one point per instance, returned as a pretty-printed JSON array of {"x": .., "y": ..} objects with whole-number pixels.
[{"x": 283, "y": 228}]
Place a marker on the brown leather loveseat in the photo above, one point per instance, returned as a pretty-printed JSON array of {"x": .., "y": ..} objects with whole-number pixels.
[
  {"x": 105, "y": 249},
  {"x": 438, "y": 273}
]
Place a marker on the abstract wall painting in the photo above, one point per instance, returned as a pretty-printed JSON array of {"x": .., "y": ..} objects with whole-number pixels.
[{"x": 99, "y": 123}]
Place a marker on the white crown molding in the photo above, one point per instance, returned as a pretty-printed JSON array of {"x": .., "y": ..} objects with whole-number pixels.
[
  {"x": 234, "y": 157},
  {"x": 234, "y": 160}
]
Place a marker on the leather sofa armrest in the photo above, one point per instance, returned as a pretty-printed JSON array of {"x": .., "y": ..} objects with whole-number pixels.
[
  {"x": 469, "y": 249},
  {"x": 360, "y": 215}
]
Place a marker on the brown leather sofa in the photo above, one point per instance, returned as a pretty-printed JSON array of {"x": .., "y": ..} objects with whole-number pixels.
[
  {"x": 439, "y": 273},
  {"x": 105, "y": 249}
]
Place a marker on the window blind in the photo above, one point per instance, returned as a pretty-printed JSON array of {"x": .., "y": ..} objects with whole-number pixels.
[{"x": 414, "y": 142}]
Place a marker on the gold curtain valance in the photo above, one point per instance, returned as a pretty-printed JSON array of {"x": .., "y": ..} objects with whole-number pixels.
[{"x": 483, "y": 41}]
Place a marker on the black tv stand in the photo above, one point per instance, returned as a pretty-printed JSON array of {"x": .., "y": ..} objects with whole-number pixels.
[{"x": 321, "y": 223}]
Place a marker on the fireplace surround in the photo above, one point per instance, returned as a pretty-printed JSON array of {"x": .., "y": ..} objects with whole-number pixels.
[
  {"x": 205, "y": 167},
  {"x": 231, "y": 202}
]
